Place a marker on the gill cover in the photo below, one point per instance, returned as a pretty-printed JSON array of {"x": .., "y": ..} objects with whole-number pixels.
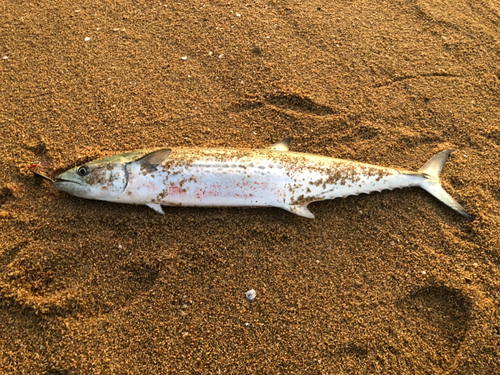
[{"x": 94, "y": 181}]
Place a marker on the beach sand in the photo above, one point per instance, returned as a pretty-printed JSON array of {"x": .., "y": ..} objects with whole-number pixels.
[{"x": 393, "y": 282}]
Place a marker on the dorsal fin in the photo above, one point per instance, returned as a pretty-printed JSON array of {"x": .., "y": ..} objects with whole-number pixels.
[
  {"x": 283, "y": 145},
  {"x": 155, "y": 157}
]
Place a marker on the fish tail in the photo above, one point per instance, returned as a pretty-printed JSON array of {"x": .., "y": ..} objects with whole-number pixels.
[{"x": 430, "y": 182}]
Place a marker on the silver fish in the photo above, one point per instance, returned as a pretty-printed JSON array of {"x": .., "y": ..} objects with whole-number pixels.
[{"x": 272, "y": 177}]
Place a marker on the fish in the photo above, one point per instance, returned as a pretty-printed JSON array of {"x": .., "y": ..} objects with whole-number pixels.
[{"x": 232, "y": 177}]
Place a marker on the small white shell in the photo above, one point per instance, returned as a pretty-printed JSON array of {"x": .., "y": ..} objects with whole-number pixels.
[{"x": 251, "y": 294}]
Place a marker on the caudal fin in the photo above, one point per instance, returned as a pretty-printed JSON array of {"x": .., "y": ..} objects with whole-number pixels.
[{"x": 430, "y": 171}]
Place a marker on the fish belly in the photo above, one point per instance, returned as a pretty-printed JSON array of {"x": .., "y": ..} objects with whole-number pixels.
[{"x": 208, "y": 185}]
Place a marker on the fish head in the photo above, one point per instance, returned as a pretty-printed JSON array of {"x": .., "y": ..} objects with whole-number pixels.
[{"x": 102, "y": 179}]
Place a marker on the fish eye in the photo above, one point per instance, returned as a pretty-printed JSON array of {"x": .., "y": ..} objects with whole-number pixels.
[{"x": 82, "y": 171}]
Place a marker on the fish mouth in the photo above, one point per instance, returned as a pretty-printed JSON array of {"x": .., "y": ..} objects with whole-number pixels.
[
  {"x": 63, "y": 180},
  {"x": 42, "y": 176},
  {"x": 54, "y": 181}
]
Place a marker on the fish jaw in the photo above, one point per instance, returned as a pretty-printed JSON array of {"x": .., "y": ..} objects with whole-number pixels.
[{"x": 68, "y": 183}]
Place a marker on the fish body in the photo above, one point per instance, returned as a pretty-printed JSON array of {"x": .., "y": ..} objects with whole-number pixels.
[{"x": 272, "y": 177}]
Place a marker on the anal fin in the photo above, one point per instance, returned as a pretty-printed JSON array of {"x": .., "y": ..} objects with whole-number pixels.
[
  {"x": 156, "y": 207},
  {"x": 300, "y": 210}
]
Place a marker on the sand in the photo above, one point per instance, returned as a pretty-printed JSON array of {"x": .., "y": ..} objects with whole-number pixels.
[{"x": 393, "y": 282}]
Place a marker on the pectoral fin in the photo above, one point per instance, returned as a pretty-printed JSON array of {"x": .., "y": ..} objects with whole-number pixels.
[
  {"x": 153, "y": 159},
  {"x": 301, "y": 210},
  {"x": 283, "y": 145},
  {"x": 156, "y": 207}
]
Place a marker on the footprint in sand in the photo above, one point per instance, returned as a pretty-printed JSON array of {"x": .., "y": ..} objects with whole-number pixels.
[
  {"x": 434, "y": 323},
  {"x": 52, "y": 284}
]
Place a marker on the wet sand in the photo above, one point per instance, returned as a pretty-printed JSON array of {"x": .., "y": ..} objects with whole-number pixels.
[{"x": 394, "y": 282}]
